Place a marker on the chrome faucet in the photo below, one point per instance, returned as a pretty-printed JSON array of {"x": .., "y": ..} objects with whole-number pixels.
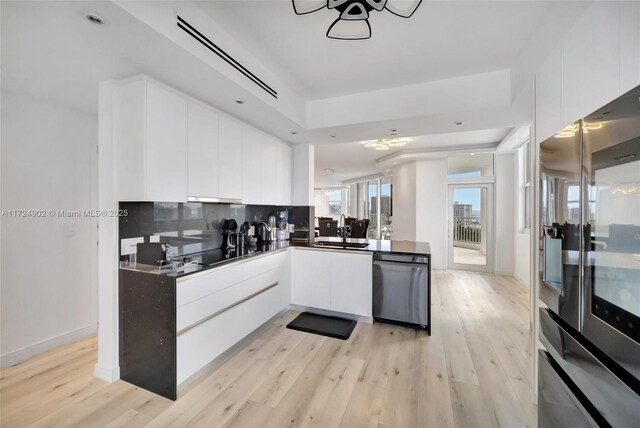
[{"x": 342, "y": 228}]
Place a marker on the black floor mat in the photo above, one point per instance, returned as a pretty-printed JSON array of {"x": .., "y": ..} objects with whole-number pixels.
[{"x": 339, "y": 328}]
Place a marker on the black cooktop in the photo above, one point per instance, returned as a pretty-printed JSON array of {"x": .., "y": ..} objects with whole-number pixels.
[{"x": 213, "y": 257}]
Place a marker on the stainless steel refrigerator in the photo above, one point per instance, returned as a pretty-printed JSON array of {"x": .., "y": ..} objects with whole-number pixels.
[{"x": 589, "y": 374}]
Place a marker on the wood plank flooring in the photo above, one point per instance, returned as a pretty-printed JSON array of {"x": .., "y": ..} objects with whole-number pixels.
[{"x": 473, "y": 371}]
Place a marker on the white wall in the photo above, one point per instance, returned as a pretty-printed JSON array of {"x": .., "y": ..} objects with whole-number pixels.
[
  {"x": 49, "y": 280},
  {"x": 431, "y": 208},
  {"x": 506, "y": 213},
  {"x": 404, "y": 203},
  {"x": 321, "y": 203}
]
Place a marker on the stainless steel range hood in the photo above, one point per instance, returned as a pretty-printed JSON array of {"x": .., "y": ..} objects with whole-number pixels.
[{"x": 208, "y": 199}]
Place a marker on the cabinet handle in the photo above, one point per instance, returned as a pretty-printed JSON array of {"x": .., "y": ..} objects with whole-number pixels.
[{"x": 231, "y": 306}]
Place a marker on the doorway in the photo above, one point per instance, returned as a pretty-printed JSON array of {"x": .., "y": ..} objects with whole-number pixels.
[{"x": 470, "y": 232}]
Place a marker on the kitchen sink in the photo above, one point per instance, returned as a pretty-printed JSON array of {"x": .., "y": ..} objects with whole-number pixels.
[{"x": 334, "y": 244}]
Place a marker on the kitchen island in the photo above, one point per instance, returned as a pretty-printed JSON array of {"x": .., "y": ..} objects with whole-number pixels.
[{"x": 177, "y": 323}]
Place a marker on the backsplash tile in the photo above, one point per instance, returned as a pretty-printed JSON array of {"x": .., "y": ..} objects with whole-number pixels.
[{"x": 192, "y": 227}]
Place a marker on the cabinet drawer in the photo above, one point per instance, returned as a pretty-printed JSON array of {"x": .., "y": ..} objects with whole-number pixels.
[
  {"x": 264, "y": 264},
  {"x": 198, "y": 310},
  {"x": 198, "y": 346},
  {"x": 191, "y": 289}
]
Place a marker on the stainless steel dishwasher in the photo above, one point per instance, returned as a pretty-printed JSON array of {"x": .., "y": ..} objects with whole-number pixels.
[{"x": 402, "y": 290}]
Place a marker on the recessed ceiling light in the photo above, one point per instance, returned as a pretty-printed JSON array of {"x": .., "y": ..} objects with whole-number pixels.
[
  {"x": 393, "y": 134},
  {"x": 395, "y": 163},
  {"x": 93, "y": 18},
  {"x": 515, "y": 140},
  {"x": 472, "y": 154},
  {"x": 294, "y": 133},
  {"x": 387, "y": 170},
  {"x": 329, "y": 170},
  {"x": 458, "y": 122},
  {"x": 239, "y": 101},
  {"x": 394, "y": 130},
  {"x": 332, "y": 136},
  {"x": 390, "y": 175}
]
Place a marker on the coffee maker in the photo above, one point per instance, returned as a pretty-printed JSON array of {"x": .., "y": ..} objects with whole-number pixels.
[
  {"x": 282, "y": 232},
  {"x": 229, "y": 235}
]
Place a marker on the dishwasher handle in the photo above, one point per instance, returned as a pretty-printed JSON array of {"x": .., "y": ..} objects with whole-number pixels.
[
  {"x": 401, "y": 264},
  {"x": 400, "y": 258}
]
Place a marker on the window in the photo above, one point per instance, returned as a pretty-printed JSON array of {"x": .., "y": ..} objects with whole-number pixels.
[
  {"x": 525, "y": 187},
  {"x": 335, "y": 202},
  {"x": 471, "y": 165}
]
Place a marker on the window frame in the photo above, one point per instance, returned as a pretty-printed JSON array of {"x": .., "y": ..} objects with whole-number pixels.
[{"x": 524, "y": 188}]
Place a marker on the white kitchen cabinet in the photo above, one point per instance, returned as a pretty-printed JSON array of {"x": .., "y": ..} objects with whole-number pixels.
[
  {"x": 170, "y": 147},
  {"x": 285, "y": 166},
  {"x": 204, "y": 152},
  {"x": 590, "y": 63},
  {"x": 597, "y": 61},
  {"x": 312, "y": 278},
  {"x": 218, "y": 308},
  {"x": 270, "y": 168},
  {"x": 334, "y": 280},
  {"x": 251, "y": 166},
  {"x": 352, "y": 283},
  {"x": 629, "y": 45},
  {"x": 151, "y": 142},
  {"x": 230, "y": 156}
]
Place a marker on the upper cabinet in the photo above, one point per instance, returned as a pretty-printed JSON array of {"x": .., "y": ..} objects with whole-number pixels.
[
  {"x": 151, "y": 143},
  {"x": 171, "y": 147},
  {"x": 252, "y": 166},
  {"x": 596, "y": 61},
  {"x": 203, "y": 151},
  {"x": 230, "y": 164}
]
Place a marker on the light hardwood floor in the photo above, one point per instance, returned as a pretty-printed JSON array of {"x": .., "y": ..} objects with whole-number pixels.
[{"x": 474, "y": 371}]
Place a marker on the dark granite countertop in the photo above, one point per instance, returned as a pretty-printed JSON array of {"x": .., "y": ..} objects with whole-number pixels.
[
  {"x": 380, "y": 246},
  {"x": 212, "y": 259}
]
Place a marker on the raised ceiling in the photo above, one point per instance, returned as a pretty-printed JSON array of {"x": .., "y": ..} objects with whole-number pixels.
[
  {"x": 352, "y": 160},
  {"x": 443, "y": 39}
]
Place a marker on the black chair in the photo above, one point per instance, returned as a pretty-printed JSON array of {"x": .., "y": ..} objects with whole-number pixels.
[
  {"x": 349, "y": 220},
  {"x": 328, "y": 228},
  {"x": 359, "y": 228}
]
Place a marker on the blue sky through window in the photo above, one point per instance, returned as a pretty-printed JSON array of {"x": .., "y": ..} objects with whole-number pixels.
[{"x": 468, "y": 196}]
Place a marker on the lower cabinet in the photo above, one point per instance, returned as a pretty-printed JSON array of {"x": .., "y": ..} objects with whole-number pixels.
[
  {"x": 170, "y": 328},
  {"x": 334, "y": 280},
  {"x": 224, "y": 306}
]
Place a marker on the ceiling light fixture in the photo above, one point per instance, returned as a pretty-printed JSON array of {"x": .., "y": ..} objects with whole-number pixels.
[
  {"x": 458, "y": 122},
  {"x": 329, "y": 170},
  {"x": 239, "y": 101},
  {"x": 383, "y": 144},
  {"x": 353, "y": 21},
  {"x": 294, "y": 133},
  {"x": 515, "y": 140}
]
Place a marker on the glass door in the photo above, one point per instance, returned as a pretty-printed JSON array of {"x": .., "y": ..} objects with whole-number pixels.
[
  {"x": 470, "y": 227},
  {"x": 611, "y": 217}
]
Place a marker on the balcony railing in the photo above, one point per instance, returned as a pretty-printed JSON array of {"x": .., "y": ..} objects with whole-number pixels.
[{"x": 467, "y": 229}]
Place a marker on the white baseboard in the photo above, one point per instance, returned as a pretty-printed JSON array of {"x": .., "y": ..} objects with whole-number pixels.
[
  {"x": 14, "y": 357},
  {"x": 110, "y": 374},
  {"x": 368, "y": 320}
]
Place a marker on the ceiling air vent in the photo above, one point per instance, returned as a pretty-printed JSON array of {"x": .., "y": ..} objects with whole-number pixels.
[{"x": 190, "y": 30}]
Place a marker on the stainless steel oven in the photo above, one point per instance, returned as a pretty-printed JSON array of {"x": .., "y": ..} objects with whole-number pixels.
[
  {"x": 590, "y": 267},
  {"x": 611, "y": 217}
]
